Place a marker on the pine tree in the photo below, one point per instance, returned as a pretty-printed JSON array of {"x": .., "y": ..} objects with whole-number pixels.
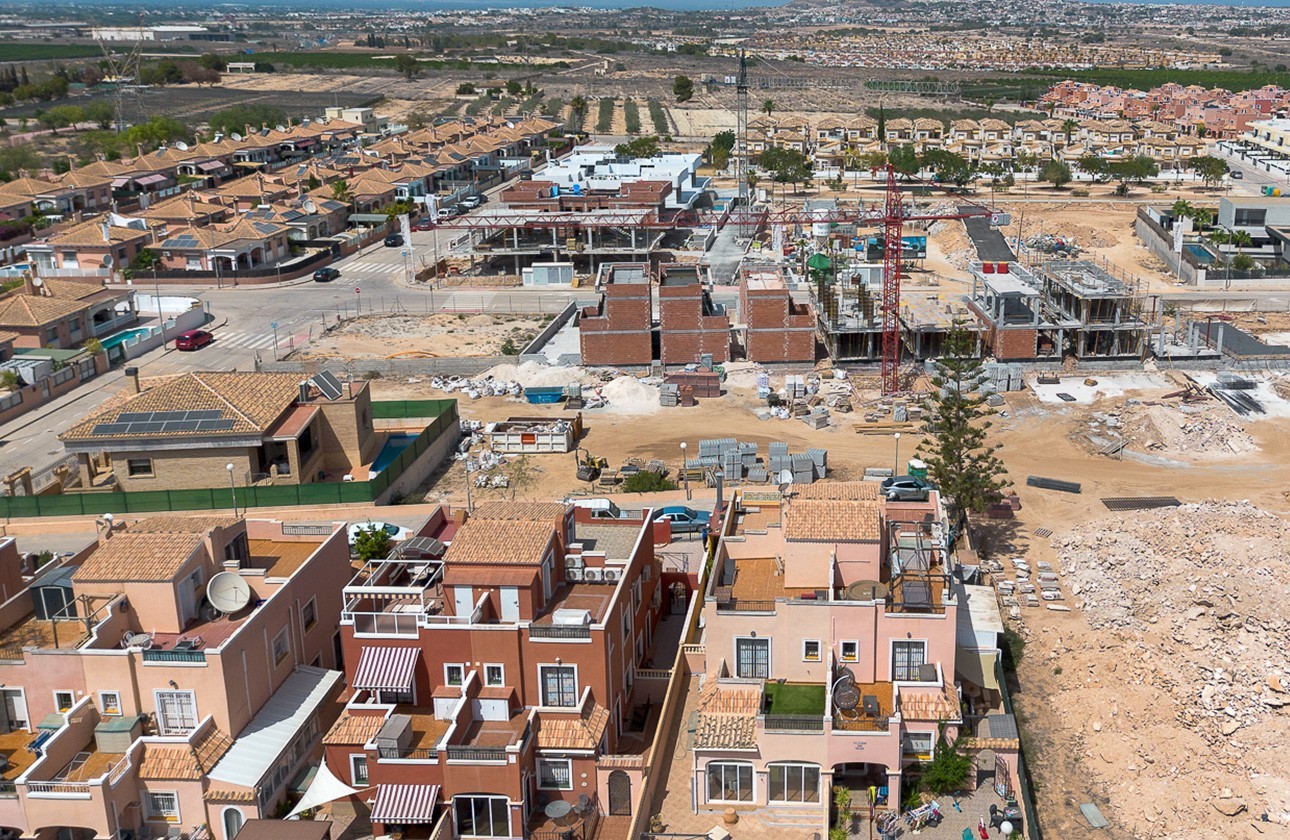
[
  {"x": 882, "y": 126},
  {"x": 967, "y": 469}
]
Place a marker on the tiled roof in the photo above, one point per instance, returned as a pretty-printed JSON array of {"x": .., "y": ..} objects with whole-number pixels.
[
  {"x": 727, "y": 717},
  {"x": 852, "y": 491},
  {"x": 20, "y": 310},
  {"x": 150, "y": 558},
  {"x": 253, "y": 401},
  {"x": 730, "y": 699},
  {"x": 500, "y": 541},
  {"x": 179, "y": 524},
  {"x": 830, "y": 520},
  {"x": 30, "y": 187},
  {"x": 927, "y": 705},
  {"x": 181, "y": 761},
  {"x": 225, "y": 794},
  {"x": 91, "y": 233},
  {"x": 350, "y": 729},
  {"x": 69, "y": 289},
  {"x": 532, "y": 511},
  {"x": 578, "y": 733}
]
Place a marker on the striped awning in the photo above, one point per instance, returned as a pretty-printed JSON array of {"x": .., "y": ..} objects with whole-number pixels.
[
  {"x": 405, "y": 804},
  {"x": 386, "y": 668}
]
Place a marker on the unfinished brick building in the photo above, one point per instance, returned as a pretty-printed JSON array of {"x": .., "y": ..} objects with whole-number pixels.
[
  {"x": 690, "y": 324},
  {"x": 618, "y": 330},
  {"x": 775, "y": 329}
]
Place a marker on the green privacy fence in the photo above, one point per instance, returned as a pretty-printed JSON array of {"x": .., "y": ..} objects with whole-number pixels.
[{"x": 445, "y": 417}]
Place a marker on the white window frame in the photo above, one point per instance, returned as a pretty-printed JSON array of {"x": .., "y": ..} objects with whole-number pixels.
[
  {"x": 501, "y": 667},
  {"x": 819, "y": 650},
  {"x": 447, "y": 669},
  {"x": 770, "y": 655},
  {"x": 907, "y": 748},
  {"x": 577, "y": 691},
  {"x": 801, "y": 766},
  {"x": 283, "y": 636},
  {"x": 160, "y": 815},
  {"x": 562, "y": 762},
  {"x": 707, "y": 789},
  {"x": 464, "y": 796},
  {"x": 892, "y": 656},
  {"x": 162, "y": 724},
  {"x": 311, "y": 604},
  {"x": 354, "y": 759},
  {"x": 842, "y": 648},
  {"x": 59, "y": 707},
  {"x": 103, "y": 703}
]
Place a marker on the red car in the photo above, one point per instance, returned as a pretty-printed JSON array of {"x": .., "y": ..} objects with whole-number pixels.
[
  {"x": 423, "y": 223},
  {"x": 193, "y": 340}
]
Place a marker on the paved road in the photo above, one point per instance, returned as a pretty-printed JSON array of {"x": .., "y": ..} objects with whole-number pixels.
[{"x": 1254, "y": 175}]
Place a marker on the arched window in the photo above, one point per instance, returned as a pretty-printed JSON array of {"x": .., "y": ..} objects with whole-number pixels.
[{"x": 233, "y": 820}]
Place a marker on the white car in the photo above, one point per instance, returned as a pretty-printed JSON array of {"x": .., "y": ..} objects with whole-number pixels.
[{"x": 396, "y": 532}]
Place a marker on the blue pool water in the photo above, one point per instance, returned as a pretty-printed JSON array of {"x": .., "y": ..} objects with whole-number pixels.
[
  {"x": 122, "y": 337},
  {"x": 1201, "y": 253},
  {"x": 393, "y": 448}
]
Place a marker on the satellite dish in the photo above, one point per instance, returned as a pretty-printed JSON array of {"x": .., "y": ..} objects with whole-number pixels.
[
  {"x": 309, "y": 206},
  {"x": 181, "y": 146},
  {"x": 279, "y": 128},
  {"x": 37, "y": 282},
  {"x": 108, "y": 262},
  {"x": 236, "y": 136},
  {"x": 227, "y": 592},
  {"x": 785, "y": 476}
]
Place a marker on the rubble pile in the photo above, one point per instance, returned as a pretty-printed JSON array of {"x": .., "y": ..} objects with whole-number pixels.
[
  {"x": 1193, "y": 689},
  {"x": 1181, "y": 429}
]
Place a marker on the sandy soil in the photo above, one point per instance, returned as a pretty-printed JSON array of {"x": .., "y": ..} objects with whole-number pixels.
[{"x": 410, "y": 336}]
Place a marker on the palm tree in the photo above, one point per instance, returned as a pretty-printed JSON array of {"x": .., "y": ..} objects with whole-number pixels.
[
  {"x": 1183, "y": 209},
  {"x": 768, "y": 106},
  {"x": 340, "y": 191},
  {"x": 1069, "y": 127}
]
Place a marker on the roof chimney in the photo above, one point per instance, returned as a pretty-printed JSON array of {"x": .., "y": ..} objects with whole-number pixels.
[{"x": 132, "y": 373}]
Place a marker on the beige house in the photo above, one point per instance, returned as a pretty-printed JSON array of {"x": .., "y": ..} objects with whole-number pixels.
[{"x": 180, "y": 433}]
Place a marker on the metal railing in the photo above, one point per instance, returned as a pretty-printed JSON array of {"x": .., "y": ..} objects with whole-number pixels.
[
  {"x": 737, "y": 605},
  {"x": 559, "y": 631},
  {"x": 794, "y": 723},
  {"x": 79, "y": 790},
  {"x": 153, "y": 655},
  {"x": 463, "y": 753},
  {"x": 861, "y": 724},
  {"x": 409, "y": 753}
]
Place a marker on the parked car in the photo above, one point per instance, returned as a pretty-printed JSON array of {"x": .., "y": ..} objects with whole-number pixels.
[
  {"x": 423, "y": 223},
  {"x": 445, "y": 213},
  {"x": 326, "y": 275},
  {"x": 1236, "y": 174},
  {"x": 193, "y": 340},
  {"x": 395, "y": 532},
  {"x": 470, "y": 202},
  {"x": 683, "y": 520},
  {"x": 394, "y": 240},
  {"x": 906, "y": 488}
]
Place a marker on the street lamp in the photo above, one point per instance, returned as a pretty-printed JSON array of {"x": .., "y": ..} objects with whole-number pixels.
[
  {"x": 231, "y": 487},
  {"x": 896, "y": 464},
  {"x": 685, "y": 474}
]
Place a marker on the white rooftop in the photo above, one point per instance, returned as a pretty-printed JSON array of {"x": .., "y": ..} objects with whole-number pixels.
[{"x": 980, "y": 625}]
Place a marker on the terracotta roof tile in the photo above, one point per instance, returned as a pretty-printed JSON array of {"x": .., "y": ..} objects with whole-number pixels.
[
  {"x": 725, "y": 732},
  {"x": 501, "y": 541},
  {"x": 573, "y": 733},
  {"x": 354, "y": 730},
  {"x": 21, "y": 310},
  {"x": 138, "y": 557},
  {"x": 832, "y": 520},
  {"x": 180, "y": 524},
  {"x": 929, "y": 705},
  {"x": 91, "y": 233},
  {"x": 226, "y": 794},
  {"x": 851, "y": 491},
  {"x": 183, "y": 761},
  {"x": 533, "y": 511}
]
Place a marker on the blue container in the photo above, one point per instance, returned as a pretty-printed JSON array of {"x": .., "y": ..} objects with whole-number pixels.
[{"x": 543, "y": 396}]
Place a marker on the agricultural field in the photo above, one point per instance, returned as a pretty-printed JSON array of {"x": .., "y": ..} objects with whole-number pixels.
[{"x": 192, "y": 104}]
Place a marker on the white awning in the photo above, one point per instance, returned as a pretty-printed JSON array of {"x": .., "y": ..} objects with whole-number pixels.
[
  {"x": 386, "y": 668},
  {"x": 977, "y": 667},
  {"x": 323, "y": 789},
  {"x": 405, "y": 804}
]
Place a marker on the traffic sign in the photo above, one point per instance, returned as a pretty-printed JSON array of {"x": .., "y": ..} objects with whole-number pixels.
[
  {"x": 273, "y": 325},
  {"x": 357, "y": 290}
]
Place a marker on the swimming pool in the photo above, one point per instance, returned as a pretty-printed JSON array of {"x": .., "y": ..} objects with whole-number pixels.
[
  {"x": 124, "y": 336},
  {"x": 393, "y": 448},
  {"x": 1201, "y": 253}
]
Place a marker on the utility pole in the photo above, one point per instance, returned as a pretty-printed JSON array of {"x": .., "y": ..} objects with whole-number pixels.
[{"x": 741, "y": 131}]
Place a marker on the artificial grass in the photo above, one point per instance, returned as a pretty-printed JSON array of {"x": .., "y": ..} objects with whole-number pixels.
[{"x": 795, "y": 698}]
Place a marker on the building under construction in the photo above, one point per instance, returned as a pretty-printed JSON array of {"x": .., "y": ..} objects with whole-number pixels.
[{"x": 1060, "y": 308}]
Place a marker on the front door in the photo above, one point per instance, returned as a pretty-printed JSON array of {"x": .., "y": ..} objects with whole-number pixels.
[
  {"x": 14, "y": 708},
  {"x": 510, "y": 603},
  {"x": 464, "y": 601},
  {"x": 620, "y": 793}
]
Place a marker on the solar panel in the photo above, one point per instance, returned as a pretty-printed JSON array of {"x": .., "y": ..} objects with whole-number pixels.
[
  {"x": 181, "y": 426},
  {"x": 328, "y": 384},
  {"x": 168, "y": 415},
  {"x": 207, "y": 414},
  {"x": 214, "y": 425},
  {"x": 149, "y": 428},
  {"x": 111, "y": 428},
  {"x": 134, "y": 417}
]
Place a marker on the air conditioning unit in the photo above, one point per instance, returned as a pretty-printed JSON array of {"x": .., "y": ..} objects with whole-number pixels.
[
  {"x": 613, "y": 574},
  {"x": 592, "y": 574},
  {"x": 573, "y": 575},
  {"x": 573, "y": 561}
]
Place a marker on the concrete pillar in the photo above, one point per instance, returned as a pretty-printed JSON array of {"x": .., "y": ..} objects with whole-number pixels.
[
  {"x": 1219, "y": 343},
  {"x": 893, "y": 789}
]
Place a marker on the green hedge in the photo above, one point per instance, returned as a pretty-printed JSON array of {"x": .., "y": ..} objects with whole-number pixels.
[{"x": 217, "y": 498}]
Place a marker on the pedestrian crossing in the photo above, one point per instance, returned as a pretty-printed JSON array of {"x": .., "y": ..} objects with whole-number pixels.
[
  {"x": 350, "y": 273},
  {"x": 248, "y": 340}
]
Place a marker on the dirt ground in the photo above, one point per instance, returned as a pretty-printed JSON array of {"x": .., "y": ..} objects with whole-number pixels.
[
  {"x": 422, "y": 336},
  {"x": 1100, "y": 726}
]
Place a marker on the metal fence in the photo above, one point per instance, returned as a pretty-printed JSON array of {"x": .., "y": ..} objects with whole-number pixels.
[{"x": 214, "y": 498}]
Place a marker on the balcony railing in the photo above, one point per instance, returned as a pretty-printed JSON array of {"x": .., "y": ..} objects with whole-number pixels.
[
  {"x": 737, "y": 605},
  {"x": 409, "y": 753},
  {"x": 861, "y": 724},
  {"x": 559, "y": 631},
  {"x": 462, "y": 753},
  {"x": 71, "y": 790},
  {"x": 189, "y": 656},
  {"x": 794, "y": 723}
]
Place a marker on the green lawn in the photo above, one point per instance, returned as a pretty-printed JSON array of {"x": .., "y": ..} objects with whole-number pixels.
[{"x": 795, "y": 698}]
